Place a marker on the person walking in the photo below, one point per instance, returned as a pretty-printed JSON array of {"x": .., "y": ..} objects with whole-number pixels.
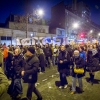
[
  {"x": 30, "y": 73},
  {"x": 15, "y": 89}
]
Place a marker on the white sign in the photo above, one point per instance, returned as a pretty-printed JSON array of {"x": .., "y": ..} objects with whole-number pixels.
[{"x": 26, "y": 41}]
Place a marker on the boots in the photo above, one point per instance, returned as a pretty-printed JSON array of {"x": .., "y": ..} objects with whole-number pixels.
[{"x": 91, "y": 78}]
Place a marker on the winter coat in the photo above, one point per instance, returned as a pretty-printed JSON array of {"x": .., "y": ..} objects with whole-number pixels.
[
  {"x": 5, "y": 53},
  {"x": 31, "y": 69},
  {"x": 98, "y": 54},
  {"x": 42, "y": 60},
  {"x": 1, "y": 58},
  {"x": 9, "y": 61},
  {"x": 18, "y": 64},
  {"x": 80, "y": 63},
  {"x": 89, "y": 53},
  {"x": 41, "y": 57},
  {"x": 3, "y": 82},
  {"x": 70, "y": 51},
  {"x": 48, "y": 52},
  {"x": 63, "y": 67},
  {"x": 92, "y": 64},
  {"x": 55, "y": 52},
  {"x": 83, "y": 55}
]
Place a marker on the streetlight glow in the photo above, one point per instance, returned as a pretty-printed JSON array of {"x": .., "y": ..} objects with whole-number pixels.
[
  {"x": 40, "y": 12},
  {"x": 91, "y": 31},
  {"x": 99, "y": 34},
  {"x": 75, "y": 25},
  {"x": 31, "y": 34}
]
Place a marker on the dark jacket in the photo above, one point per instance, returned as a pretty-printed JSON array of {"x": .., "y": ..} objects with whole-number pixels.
[
  {"x": 31, "y": 69},
  {"x": 9, "y": 61},
  {"x": 42, "y": 60},
  {"x": 48, "y": 52},
  {"x": 80, "y": 63},
  {"x": 18, "y": 64},
  {"x": 65, "y": 57},
  {"x": 92, "y": 64}
]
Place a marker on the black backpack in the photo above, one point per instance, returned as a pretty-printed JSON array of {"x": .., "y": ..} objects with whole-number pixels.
[
  {"x": 15, "y": 88},
  {"x": 93, "y": 65}
]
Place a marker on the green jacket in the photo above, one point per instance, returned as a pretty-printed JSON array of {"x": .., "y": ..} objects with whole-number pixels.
[
  {"x": 3, "y": 82},
  {"x": 1, "y": 58}
]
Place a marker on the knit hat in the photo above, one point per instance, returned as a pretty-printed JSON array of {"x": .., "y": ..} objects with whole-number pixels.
[{"x": 31, "y": 49}]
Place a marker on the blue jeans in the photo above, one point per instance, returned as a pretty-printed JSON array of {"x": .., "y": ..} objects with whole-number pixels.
[
  {"x": 63, "y": 79},
  {"x": 74, "y": 83},
  {"x": 49, "y": 61}
]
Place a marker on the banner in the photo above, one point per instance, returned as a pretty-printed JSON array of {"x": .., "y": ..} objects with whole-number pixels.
[
  {"x": 41, "y": 41},
  {"x": 18, "y": 41},
  {"x": 26, "y": 41}
]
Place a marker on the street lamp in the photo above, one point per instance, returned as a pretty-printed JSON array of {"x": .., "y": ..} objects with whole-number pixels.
[
  {"x": 75, "y": 25},
  {"x": 40, "y": 12},
  {"x": 98, "y": 34},
  {"x": 91, "y": 31}
]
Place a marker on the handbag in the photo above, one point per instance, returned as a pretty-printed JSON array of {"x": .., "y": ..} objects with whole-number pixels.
[{"x": 78, "y": 70}]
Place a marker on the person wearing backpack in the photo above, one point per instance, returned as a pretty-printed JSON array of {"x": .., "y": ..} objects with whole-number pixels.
[
  {"x": 15, "y": 89},
  {"x": 92, "y": 66}
]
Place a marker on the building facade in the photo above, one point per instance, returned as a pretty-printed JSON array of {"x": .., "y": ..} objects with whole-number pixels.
[
  {"x": 17, "y": 37},
  {"x": 64, "y": 17},
  {"x": 18, "y": 27},
  {"x": 84, "y": 11}
]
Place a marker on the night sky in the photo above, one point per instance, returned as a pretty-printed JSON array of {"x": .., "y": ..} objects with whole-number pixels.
[{"x": 19, "y": 7}]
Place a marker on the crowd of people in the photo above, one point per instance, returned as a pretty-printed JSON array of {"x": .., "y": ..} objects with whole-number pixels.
[{"x": 25, "y": 62}]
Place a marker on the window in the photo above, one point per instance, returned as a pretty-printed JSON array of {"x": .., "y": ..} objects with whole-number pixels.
[
  {"x": 43, "y": 30},
  {"x": 5, "y": 38},
  {"x": 59, "y": 32}
]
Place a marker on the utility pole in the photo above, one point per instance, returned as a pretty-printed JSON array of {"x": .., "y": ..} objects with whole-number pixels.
[
  {"x": 11, "y": 37},
  {"x": 26, "y": 25}
]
